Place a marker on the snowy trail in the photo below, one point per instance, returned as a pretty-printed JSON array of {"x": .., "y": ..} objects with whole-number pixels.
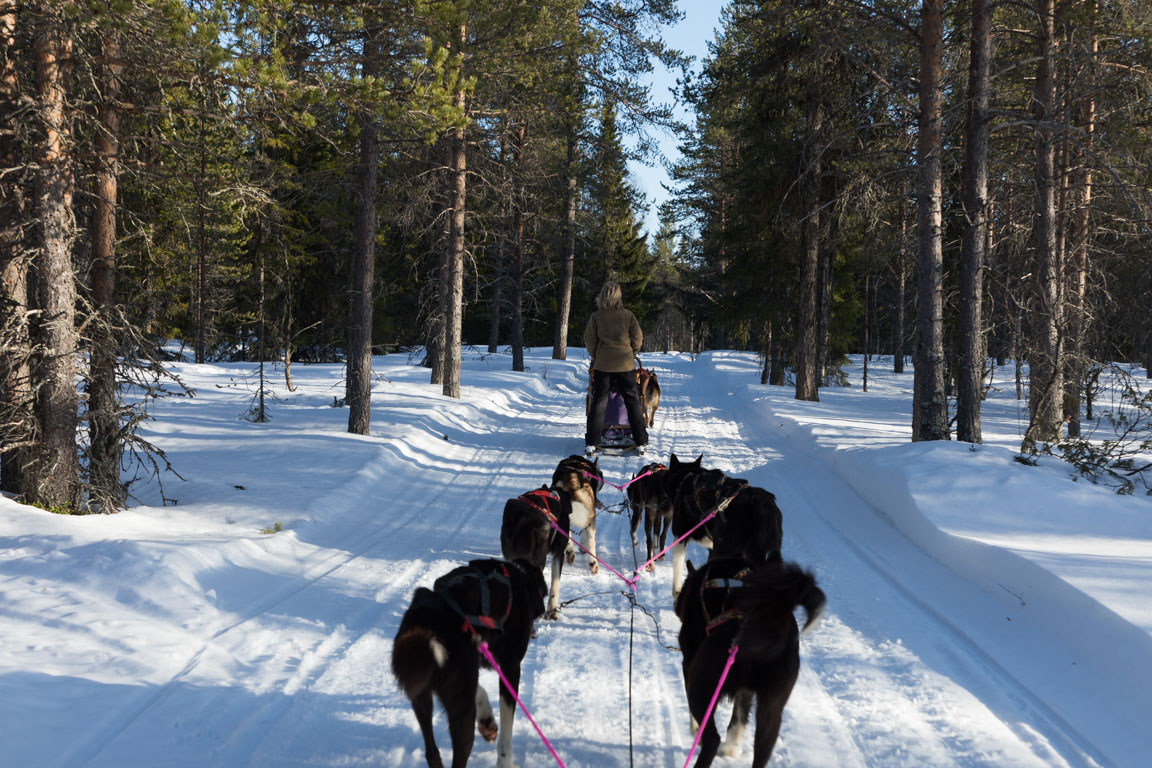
[
  {"x": 281, "y": 654},
  {"x": 900, "y": 677}
]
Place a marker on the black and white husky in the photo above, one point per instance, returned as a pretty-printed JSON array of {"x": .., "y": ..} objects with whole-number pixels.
[
  {"x": 582, "y": 479},
  {"x": 734, "y": 602},
  {"x": 535, "y": 525},
  {"x": 435, "y": 650},
  {"x": 747, "y": 523}
]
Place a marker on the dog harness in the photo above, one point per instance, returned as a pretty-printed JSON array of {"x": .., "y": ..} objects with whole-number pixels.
[
  {"x": 540, "y": 500},
  {"x": 727, "y": 583},
  {"x": 482, "y": 578},
  {"x": 705, "y": 489}
]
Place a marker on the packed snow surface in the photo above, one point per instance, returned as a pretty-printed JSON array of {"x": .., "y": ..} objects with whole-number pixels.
[{"x": 981, "y": 612}]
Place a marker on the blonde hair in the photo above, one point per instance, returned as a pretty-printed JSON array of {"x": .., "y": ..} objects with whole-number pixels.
[{"x": 610, "y": 296}]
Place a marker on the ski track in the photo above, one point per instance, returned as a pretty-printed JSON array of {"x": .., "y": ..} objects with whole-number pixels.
[
  {"x": 296, "y": 670},
  {"x": 311, "y": 658},
  {"x": 319, "y": 684},
  {"x": 1062, "y": 744}
]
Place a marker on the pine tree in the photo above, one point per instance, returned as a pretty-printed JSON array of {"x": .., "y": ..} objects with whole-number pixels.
[{"x": 617, "y": 247}]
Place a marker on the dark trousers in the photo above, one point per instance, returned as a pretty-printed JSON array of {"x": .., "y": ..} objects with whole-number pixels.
[{"x": 625, "y": 384}]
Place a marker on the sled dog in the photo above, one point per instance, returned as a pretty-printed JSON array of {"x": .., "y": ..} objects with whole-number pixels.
[
  {"x": 526, "y": 532},
  {"x": 648, "y": 498},
  {"x": 748, "y": 523},
  {"x": 649, "y": 394},
  {"x": 733, "y": 601},
  {"x": 435, "y": 650},
  {"x": 582, "y": 479}
]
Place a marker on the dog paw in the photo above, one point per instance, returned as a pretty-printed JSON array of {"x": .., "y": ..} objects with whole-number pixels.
[
  {"x": 593, "y": 566},
  {"x": 660, "y": 559},
  {"x": 552, "y": 614},
  {"x": 650, "y": 568},
  {"x": 729, "y": 750},
  {"x": 488, "y": 728},
  {"x": 570, "y": 557}
]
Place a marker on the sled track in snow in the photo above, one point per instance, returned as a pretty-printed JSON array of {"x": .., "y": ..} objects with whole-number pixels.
[
  {"x": 693, "y": 420},
  {"x": 85, "y": 753},
  {"x": 1061, "y": 732}
]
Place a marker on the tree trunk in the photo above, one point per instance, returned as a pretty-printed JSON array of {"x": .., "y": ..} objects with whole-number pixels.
[
  {"x": 1080, "y": 237},
  {"x": 1147, "y": 338},
  {"x": 454, "y": 306},
  {"x": 564, "y": 300},
  {"x": 15, "y": 381},
  {"x": 1018, "y": 352},
  {"x": 1147, "y": 334},
  {"x": 867, "y": 328},
  {"x": 499, "y": 267},
  {"x": 358, "y": 392},
  {"x": 201, "y": 235},
  {"x": 436, "y": 336},
  {"x": 497, "y": 299},
  {"x": 970, "y": 377},
  {"x": 766, "y": 350},
  {"x": 929, "y": 373},
  {"x": 1046, "y": 387},
  {"x": 776, "y": 374},
  {"x": 517, "y": 268},
  {"x": 807, "y": 319},
  {"x": 261, "y": 412},
  {"x": 824, "y": 337},
  {"x": 105, "y": 446},
  {"x": 55, "y": 479},
  {"x": 901, "y": 280}
]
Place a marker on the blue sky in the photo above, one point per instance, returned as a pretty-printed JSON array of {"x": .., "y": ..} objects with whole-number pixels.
[{"x": 691, "y": 36}]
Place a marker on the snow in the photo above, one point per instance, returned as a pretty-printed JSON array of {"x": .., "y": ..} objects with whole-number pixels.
[{"x": 981, "y": 612}]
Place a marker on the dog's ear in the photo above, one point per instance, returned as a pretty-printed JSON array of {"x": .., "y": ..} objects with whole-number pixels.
[
  {"x": 673, "y": 462},
  {"x": 699, "y": 459}
]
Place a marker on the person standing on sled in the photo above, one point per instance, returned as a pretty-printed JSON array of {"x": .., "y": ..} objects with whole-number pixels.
[{"x": 613, "y": 339}]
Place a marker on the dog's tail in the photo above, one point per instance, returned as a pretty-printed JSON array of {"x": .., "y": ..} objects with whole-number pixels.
[
  {"x": 416, "y": 656},
  {"x": 771, "y": 594}
]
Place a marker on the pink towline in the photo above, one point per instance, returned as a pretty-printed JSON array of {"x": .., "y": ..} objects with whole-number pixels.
[
  {"x": 630, "y": 582},
  {"x": 712, "y": 704},
  {"x": 487, "y": 654},
  {"x": 617, "y": 487},
  {"x": 660, "y": 554}
]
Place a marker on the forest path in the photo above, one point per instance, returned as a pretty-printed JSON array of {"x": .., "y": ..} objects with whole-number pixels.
[{"x": 298, "y": 673}]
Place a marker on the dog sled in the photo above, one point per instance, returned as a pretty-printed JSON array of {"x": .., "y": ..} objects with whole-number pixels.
[{"x": 616, "y": 434}]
